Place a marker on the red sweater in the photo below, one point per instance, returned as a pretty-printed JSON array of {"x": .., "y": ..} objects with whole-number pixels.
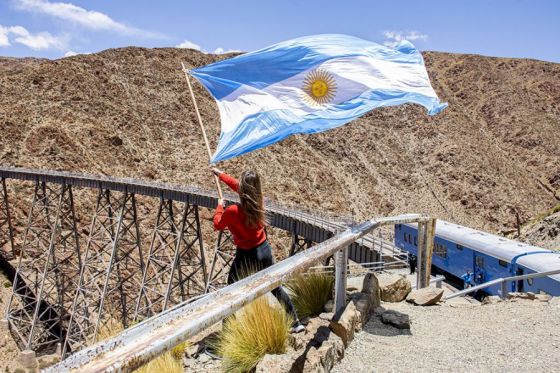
[{"x": 233, "y": 218}]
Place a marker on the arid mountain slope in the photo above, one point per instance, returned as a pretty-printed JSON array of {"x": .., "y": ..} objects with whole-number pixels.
[{"x": 127, "y": 112}]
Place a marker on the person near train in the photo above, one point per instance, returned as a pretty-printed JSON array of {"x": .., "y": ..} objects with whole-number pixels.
[{"x": 246, "y": 222}]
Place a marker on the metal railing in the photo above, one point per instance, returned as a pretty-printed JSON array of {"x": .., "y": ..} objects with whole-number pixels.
[
  {"x": 503, "y": 282},
  {"x": 141, "y": 343}
]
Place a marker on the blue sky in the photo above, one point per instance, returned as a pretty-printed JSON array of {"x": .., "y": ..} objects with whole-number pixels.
[{"x": 53, "y": 29}]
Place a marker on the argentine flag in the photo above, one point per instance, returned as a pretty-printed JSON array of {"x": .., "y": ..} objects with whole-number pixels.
[{"x": 309, "y": 85}]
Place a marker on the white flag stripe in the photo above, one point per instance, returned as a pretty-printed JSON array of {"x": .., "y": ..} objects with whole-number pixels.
[{"x": 353, "y": 76}]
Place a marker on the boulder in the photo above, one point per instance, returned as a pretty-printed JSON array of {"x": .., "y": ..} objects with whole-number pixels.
[
  {"x": 425, "y": 297},
  {"x": 345, "y": 325},
  {"x": 397, "y": 319},
  {"x": 370, "y": 286},
  {"x": 275, "y": 364},
  {"x": 394, "y": 288}
]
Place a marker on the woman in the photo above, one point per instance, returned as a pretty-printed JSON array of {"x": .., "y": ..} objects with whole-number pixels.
[{"x": 246, "y": 223}]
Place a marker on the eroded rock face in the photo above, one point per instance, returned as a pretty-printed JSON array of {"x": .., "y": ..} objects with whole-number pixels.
[
  {"x": 425, "y": 297},
  {"x": 394, "y": 288}
]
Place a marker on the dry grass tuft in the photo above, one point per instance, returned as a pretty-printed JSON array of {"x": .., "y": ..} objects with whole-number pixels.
[
  {"x": 310, "y": 292},
  {"x": 170, "y": 362},
  {"x": 257, "y": 330}
]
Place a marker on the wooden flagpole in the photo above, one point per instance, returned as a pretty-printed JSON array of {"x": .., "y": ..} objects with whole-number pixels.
[{"x": 202, "y": 127}]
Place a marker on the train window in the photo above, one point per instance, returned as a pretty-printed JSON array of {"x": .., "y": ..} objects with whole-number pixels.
[
  {"x": 480, "y": 261},
  {"x": 440, "y": 250},
  {"x": 460, "y": 247},
  {"x": 530, "y": 281},
  {"x": 415, "y": 241},
  {"x": 503, "y": 263}
]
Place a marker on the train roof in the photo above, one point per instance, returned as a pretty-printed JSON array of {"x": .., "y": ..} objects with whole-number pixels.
[{"x": 500, "y": 247}]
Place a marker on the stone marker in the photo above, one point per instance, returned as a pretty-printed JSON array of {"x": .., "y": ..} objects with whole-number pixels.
[
  {"x": 370, "y": 287},
  {"x": 425, "y": 296},
  {"x": 394, "y": 288}
]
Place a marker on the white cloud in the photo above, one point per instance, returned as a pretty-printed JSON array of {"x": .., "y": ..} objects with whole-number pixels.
[
  {"x": 189, "y": 44},
  {"x": 38, "y": 41},
  {"x": 224, "y": 51},
  {"x": 4, "y": 41},
  {"x": 70, "y": 54},
  {"x": 394, "y": 37},
  {"x": 86, "y": 18}
]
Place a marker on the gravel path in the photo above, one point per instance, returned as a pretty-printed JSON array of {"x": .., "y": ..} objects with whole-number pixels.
[{"x": 519, "y": 336}]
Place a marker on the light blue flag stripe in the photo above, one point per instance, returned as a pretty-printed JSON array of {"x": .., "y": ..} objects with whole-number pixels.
[{"x": 267, "y": 95}]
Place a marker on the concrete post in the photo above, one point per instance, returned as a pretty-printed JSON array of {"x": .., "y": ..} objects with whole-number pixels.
[
  {"x": 28, "y": 359},
  {"x": 341, "y": 264}
]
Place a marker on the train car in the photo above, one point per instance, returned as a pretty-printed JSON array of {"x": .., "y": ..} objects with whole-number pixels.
[{"x": 470, "y": 257}]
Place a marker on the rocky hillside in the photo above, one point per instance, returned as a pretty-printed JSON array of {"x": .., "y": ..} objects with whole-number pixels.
[{"x": 127, "y": 112}]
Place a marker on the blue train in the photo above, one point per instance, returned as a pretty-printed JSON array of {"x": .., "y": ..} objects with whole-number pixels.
[{"x": 465, "y": 255}]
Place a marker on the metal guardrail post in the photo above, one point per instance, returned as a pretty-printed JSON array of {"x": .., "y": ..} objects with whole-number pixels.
[
  {"x": 504, "y": 290},
  {"x": 341, "y": 272}
]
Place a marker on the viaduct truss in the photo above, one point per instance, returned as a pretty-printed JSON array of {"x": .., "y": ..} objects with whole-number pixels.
[{"x": 65, "y": 292}]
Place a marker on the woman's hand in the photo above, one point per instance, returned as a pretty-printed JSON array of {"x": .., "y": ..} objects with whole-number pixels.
[
  {"x": 221, "y": 202},
  {"x": 217, "y": 171}
]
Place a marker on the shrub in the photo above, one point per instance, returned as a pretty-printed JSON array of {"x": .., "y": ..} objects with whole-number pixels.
[
  {"x": 165, "y": 363},
  {"x": 258, "y": 329},
  {"x": 169, "y": 362},
  {"x": 310, "y": 292}
]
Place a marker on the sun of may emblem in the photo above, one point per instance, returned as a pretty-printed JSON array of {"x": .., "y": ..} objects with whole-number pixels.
[{"x": 319, "y": 86}]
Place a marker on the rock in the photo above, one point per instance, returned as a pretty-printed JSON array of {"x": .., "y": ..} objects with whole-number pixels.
[
  {"x": 327, "y": 316},
  {"x": 397, "y": 319},
  {"x": 370, "y": 287},
  {"x": 337, "y": 344},
  {"x": 189, "y": 362},
  {"x": 543, "y": 297},
  {"x": 518, "y": 295},
  {"x": 312, "y": 362},
  {"x": 203, "y": 358},
  {"x": 328, "y": 356},
  {"x": 192, "y": 350},
  {"x": 275, "y": 364},
  {"x": 425, "y": 297},
  {"x": 329, "y": 306},
  {"x": 363, "y": 305},
  {"x": 345, "y": 325},
  {"x": 296, "y": 341},
  {"x": 394, "y": 288},
  {"x": 493, "y": 299}
]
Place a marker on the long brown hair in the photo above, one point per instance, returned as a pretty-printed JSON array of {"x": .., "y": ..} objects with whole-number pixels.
[{"x": 251, "y": 197}]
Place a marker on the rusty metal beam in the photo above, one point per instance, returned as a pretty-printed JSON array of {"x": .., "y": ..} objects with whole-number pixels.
[{"x": 145, "y": 341}]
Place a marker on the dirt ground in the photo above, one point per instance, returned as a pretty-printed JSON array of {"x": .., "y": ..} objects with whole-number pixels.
[
  {"x": 522, "y": 336},
  {"x": 8, "y": 348}
]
